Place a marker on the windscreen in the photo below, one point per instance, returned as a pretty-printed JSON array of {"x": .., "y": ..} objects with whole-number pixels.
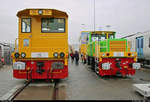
[
  {"x": 111, "y": 36},
  {"x": 84, "y": 37},
  {"x": 53, "y": 25},
  {"x": 25, "y": 25},
  {"x": 98, "y": 37}
]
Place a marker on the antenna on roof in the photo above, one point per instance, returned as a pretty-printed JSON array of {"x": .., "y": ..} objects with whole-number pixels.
[{"x": 108, "y": 26}]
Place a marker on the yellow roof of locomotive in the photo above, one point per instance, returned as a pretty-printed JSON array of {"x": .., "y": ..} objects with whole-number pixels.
[
  {"x": 54, "y": 11},
  {"x": 100, "y": 32}
]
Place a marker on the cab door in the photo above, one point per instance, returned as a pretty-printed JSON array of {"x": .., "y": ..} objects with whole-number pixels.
[
  {"x": 139, "y": 46},
  {"x": 25, "y": 35}
]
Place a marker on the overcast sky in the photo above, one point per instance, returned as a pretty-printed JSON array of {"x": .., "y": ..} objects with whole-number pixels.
[{"x": 125, "y": 16}]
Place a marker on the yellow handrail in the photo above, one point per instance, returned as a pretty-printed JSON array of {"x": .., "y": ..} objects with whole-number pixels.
[{"x": 16, "y": 44}]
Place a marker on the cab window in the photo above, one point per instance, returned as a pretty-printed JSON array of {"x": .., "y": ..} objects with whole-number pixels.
[
  {"x": 53, "y": 25},
  {"x": 84, "y": 38},
  {"x": 26, "y": 42},
  {"x": 98, "y": 37},
  {"x": 111, "y": 36},
  {"x": 25, "y": 25}
]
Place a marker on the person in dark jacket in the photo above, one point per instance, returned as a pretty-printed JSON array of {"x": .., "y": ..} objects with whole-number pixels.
[
  {"x": 72, "y": 56},
  {"x": 76, "y": 57}
]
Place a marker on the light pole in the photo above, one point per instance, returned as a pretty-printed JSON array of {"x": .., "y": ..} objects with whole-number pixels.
[{"x": 94, "y": 16}]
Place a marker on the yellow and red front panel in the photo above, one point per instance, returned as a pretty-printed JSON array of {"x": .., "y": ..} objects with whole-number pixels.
[
  {"x": 121, "y": 66},
  {"x": 33, "y": 70}
]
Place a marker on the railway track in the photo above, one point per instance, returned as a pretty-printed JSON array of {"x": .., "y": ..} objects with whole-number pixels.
[{"x": 39, "y": 91}]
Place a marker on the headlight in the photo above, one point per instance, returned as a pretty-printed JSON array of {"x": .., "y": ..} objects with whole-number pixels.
[
  {"x": 129, "y": 54},
  {"x": 107, "y": 54},
  {"x": 106, "y": 66},
  {"x": 62, "y": 54},
  {"x": 17, "y": 55},
  {"x": 40, "y": 12},
  {"x": 103, "y": 54},
  {"x": 55, "y": 54},
  {"x": 23, "y": 55},
  {"x": 136, "y": 65},
  {"x": 57, "y": 65},
  {"x": 19, "y": 66}
]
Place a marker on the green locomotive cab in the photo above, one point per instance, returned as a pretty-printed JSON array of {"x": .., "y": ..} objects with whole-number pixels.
[{"x": 110, "y": 56}]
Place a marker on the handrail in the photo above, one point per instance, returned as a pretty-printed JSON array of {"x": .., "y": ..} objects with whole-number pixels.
[
  {"x": 48, "y": 73},
  {"x": 107, "y": 45},
  {"x": 97, "y": 52},
  {"x": 128, "y": 46},
  {"x": 16, "y": 48}
]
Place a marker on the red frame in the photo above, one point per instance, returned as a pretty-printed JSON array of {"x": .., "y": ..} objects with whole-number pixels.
[
  {"x": 128, "y": 70},
  {"x": 56, "y": 74}
]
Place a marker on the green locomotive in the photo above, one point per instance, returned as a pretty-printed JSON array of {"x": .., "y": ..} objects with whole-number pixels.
[{"x": 108, "y": 55}]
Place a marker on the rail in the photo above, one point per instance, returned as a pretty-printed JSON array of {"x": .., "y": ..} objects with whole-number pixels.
[{"x": 50, "y": 91}]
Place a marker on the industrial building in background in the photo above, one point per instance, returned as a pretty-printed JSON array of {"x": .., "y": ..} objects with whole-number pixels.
[{"x": 5, "y": 53}]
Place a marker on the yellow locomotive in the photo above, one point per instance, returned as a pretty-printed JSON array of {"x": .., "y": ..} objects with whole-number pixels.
[{"x": 42, "y": 50}]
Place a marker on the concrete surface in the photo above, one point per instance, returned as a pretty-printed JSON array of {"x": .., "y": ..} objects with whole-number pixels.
[
  {"x": 82, "y": 84},
  {"x": 37, "y": 93},
  {"x": 7, "y": 82}
]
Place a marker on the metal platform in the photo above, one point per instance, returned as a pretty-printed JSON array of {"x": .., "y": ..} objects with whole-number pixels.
[{"x": 143, "y": 89}]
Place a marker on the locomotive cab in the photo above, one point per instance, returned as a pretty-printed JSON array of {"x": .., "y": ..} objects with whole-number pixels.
[{"x": 42, "y": 51}]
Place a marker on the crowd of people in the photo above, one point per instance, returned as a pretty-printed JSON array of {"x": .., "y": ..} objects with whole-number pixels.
[{"x": 75, "y": 56}]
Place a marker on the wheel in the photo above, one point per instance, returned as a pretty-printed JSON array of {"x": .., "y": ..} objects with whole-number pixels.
[
  {"x": 84, "y": 61},
  {"x": 88, "y": 61},
  {"x": 97, "y": 70},
  {"x": 143, "y": 64},
  {"x": 93, "y": 63}
]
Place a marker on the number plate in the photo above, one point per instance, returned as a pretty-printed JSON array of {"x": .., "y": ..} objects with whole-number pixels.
[
  {"x": 39, "y": 54},
  {"x": 118, "y": 54}
]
